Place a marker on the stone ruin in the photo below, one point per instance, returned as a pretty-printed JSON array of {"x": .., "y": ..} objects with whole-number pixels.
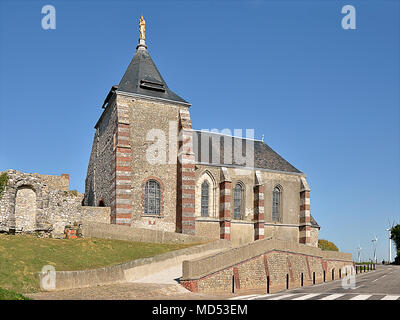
[{"x": 43, "y": 204}]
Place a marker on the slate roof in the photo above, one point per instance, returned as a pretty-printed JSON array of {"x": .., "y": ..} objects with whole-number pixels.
[
  {"x": 264, "y": 156},
  {"x": 314, "y": 223},
  {"x": 142, "y": 77}
]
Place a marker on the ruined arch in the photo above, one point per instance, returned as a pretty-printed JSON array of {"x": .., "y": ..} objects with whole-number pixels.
[
  {"x": 25, "y": 211},
  {"x": 24, "y": 192}
]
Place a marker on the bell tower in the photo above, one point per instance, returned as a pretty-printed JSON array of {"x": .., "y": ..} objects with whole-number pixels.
[{"x": 142, "y": 112}]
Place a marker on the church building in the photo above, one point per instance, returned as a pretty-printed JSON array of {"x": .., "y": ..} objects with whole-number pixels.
[{"x": 203, "y": 186}]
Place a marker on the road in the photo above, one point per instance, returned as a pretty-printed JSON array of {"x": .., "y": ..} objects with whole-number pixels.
[{"x": 381, "y": 284}]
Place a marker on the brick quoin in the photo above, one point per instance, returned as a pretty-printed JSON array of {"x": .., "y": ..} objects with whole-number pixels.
[
  {"x": 259, "y": 212},
  {"x": 308, "y": 268},
  {"x": 190, "y": 285},
  {"x": 225, "y": 213},
  {"x": 266, "y": 267},
  {"x": 122, "y": 154},
  {"x": 236, "y": 277},
  {"x": 305, "y": 218},
  {"x": 185, "y": 217},
  {"x": 290, "y": 270}
]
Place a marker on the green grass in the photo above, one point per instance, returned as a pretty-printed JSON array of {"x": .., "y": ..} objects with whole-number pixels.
[
  {"x": 11, "y": 295},
  {"x": 23, "y": 255}
]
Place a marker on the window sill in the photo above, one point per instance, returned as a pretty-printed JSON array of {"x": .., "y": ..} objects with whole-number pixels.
[
  {"x": 242, "y": 221},
  {"x": 152, "y": 216},
  {"x": 207, "y": 219}
]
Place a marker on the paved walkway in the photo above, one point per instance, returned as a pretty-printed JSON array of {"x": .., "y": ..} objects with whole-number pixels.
[
  {"x": 161, "y": 285},
  {"x": 127, "y": 291}
]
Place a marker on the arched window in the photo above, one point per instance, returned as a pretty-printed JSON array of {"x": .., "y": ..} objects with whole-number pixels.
[
  {"x": 237, "y": 201},
  {"x": 276, "y": 204},
  {"x": 204, "y": 199},
  {"x": 152, "y": 197}
]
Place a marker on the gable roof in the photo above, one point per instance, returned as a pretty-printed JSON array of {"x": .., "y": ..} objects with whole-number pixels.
[
  {"x": 142, "y": 77},
  {"x": 264, "y": 156}
]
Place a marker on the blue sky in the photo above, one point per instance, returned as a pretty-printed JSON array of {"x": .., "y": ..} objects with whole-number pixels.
[{"x": 326, "y": 99}]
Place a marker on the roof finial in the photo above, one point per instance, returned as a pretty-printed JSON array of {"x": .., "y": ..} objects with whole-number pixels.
[
  {"x": 262, "y": 138},
  {"x": 142, "y": 28},
  {"x": 142, "y": 31}
]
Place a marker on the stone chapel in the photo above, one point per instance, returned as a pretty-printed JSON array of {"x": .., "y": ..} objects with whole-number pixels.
[{"x": 200, "y": 189}]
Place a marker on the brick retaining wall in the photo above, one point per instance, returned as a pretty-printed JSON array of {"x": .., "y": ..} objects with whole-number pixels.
[{"x": 275, "y": 264}]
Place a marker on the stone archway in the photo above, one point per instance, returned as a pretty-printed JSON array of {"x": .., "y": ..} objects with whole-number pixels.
[{"x": 25, "y": 209}]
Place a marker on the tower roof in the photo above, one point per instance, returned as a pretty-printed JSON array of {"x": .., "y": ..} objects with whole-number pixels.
[{"x": 142, "y": 76}]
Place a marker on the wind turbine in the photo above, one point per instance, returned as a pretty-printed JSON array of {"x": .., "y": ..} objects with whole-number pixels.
[
  {"x": 374, "y": 241},
  {"x": 359, "y": 252}
]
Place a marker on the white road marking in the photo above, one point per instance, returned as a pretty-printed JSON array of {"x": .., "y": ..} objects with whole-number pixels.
[
  {"x": 260, "y": 296},
  {"x": 361, "y": 297},
  {"x": 283, "y": 296},
  {"x": 243, "y": 297},
  {"x": 357, "y": 287},
  {"x": 333, "y": 296},
  {"x": 307, "y": 296},
  {"x": 389, "y": 297},
  {"x": 378, "y": 278},
  {"x": 277, "y": 296}
]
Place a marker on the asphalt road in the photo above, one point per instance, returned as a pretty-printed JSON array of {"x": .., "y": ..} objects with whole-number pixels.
[{"x": 381, "y": 284}]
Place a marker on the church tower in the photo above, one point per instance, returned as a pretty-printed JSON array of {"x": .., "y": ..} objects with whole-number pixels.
[{"x": 142, "y": 164}]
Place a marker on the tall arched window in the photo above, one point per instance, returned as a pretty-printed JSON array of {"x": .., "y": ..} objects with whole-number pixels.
[
  {"x": 276, "y": 204},
  {"x": 237, "y": 201},
  {"x": 204, "y": 199},
  {"x": 152, "y": 197}
]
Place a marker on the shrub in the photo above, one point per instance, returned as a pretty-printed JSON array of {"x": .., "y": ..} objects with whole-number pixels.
[
  {"x": 327, "y": 245},
  {"x": 395, "y": 236},
  {"x": 3, "y": 183}
]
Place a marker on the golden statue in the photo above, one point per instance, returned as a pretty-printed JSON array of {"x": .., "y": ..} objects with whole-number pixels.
[{"x": 142, "y": 27}]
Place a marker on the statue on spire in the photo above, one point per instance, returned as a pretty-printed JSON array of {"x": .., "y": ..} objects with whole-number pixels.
[{"x": 142, "y": 28}]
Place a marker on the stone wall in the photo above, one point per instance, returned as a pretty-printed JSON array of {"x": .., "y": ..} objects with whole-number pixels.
[
  {"x": 121, "y": 232},
  {"x": 163, "y": 116},
  {"x": 243, "y": 230},
  {"x": 100, "y": 172},
  {"x": 314, "y": 237},
  {"x": 42, "y": 203},
  {"x": 95, "y": 214},
  {"x": 273, "y": 264}
]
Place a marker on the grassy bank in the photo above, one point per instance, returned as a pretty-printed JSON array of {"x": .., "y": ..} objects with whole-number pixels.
[
  {"x": 22, "y": 255},
  {"x": 11, "y": 295}
]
